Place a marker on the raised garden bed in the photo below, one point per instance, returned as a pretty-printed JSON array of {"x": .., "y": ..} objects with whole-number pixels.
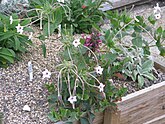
[{"x": 146, "y": 106}]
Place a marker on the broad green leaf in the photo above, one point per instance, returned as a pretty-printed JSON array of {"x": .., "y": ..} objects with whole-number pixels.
[
  {"x": 84, "y": 120},
  {"x": 7, "y": 55},
  {"x": 159, "y": 30},
  {"x": 137, "y": 41},
  {"x": 151, "y": 19},
  {"x": 16, "y": 42},
  {"x": 149, "y": 76},
  {"x": 58, "y": 16},
  {"x": 6, "y": 35},
  {"x": 109, "y": 57},
  {"x": 162, "y": 51},
  {"x": 140, "y": 81},
  {"x": 147, "y": 66},
  {"x": 25, "y": 22},
  {"x": 134, "y": 75},
  {"x": 52, "y": 28},
  {"x": 139, "y": 69}
]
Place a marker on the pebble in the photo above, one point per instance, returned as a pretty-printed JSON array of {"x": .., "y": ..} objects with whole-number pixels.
[{"x": 26, "y": 108}]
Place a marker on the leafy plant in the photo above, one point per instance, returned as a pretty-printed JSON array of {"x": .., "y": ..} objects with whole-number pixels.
[
  {"x": 139, "y": 65},
  {"x": 12, "y": 43},
  {"x": 81, "y": 73},
  {"x": 85, "y": 14},
  {"x": 49, "y": 13},
  {"x": 126, "y": 38}
]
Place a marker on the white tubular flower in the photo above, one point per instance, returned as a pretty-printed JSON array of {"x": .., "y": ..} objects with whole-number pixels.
[
  {"x": 62, "y": 1},
  {"x": 101, "y": 87},
  {"x": 157, "y": 8},
  {"x": 76, "y": 42},
  {"x": 19, "y": 29},
  {"x": 46, "y": 74},
  {"x": 11, "y": 20},
  {"x": 136, "y": 19},
  {"x": 30, "y": 36},
  {"x": 72, "y": 99},
  {"x": 59, "y": 30},
  {"x": 99, "y": 70},
  {"x": 157, "y": 16}
]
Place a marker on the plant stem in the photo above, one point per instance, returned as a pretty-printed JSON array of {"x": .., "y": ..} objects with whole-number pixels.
[
  {"x": 92, "y": 53},
  {"x": 122, "y": 29}
]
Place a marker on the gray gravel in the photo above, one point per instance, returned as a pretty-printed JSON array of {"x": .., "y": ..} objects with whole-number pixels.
[{"x": 16, "y": 90}]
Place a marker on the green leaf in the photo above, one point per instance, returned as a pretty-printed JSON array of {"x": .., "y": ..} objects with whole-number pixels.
[
  {"x": 43, "y": 46},
  {"x": 149, "y": 76},
  {"x": 6, "y": 35},
  {"x": 52, "y": 28},
  {"x": 17, "y": 42},
  {"x": 137, "y": 41},
  {"x": 134, "y": 75},
  {"x": 159, "y": 30},
  {"x": 58, "y": 16},
  {"x": 151, "y": 19},
  {"x": 162, "y": 51},
  {"x": 7, "y": 55},
  {"x": 51, "y": 117},
  {"x": 25, "y": 22},
  {"x": 147, "y": 66},
  {"x": 109, "y": 57},
  {"x": 140, "y": 81},
  {"x": 84, "y": 120}
]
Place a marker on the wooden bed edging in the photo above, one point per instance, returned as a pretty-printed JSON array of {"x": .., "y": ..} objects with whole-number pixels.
[
  {"x": 120, "y": 4},
  {"x": 146, "y": 106}
]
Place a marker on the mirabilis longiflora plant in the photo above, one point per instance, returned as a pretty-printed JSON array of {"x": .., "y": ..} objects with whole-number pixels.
[{"x": 80, "y": 91}]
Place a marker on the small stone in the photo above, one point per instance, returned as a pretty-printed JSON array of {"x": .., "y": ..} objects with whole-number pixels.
[{"x": 26, "y": 108}]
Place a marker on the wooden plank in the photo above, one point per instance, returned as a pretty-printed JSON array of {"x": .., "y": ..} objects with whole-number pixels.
[
  {"x": 98, "y": 118},
  {"x": 158, "y": 120},
  {"x": 111, "y": 116},
  {"x": 124, "y": 3},
  {"x": 120, "y": 4},
  {"x": 143, "y": 105}
]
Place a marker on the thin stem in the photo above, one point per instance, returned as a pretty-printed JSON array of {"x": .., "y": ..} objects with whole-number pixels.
[
  {"x": 33, "y": 10},
  {"x": 69, "y": 88},
  {"x": 94, "y": 78},
  {"x": 92, "y": 53},
  {"x": 155, "y": 45},
  {"x": 148, "y": 34},
  {"x": 31, "y": 23},
  {"x": 80, "y": 80},
  {"x": 122, "y": 29},
  {"x": 59, "y": 80},
  {"x": 70, "y": 55},
  {"x": 49, "y": 26},
  {"x": 41, "y": 20}
]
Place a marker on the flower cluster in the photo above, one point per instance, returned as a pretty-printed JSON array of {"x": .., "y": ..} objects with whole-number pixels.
[
  {"x": 157, "y": 11},
  {"x": 93, "y": 41}
]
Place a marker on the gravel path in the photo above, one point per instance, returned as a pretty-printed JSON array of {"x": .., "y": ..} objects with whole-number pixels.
[{"x": 16, "y": 90}]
